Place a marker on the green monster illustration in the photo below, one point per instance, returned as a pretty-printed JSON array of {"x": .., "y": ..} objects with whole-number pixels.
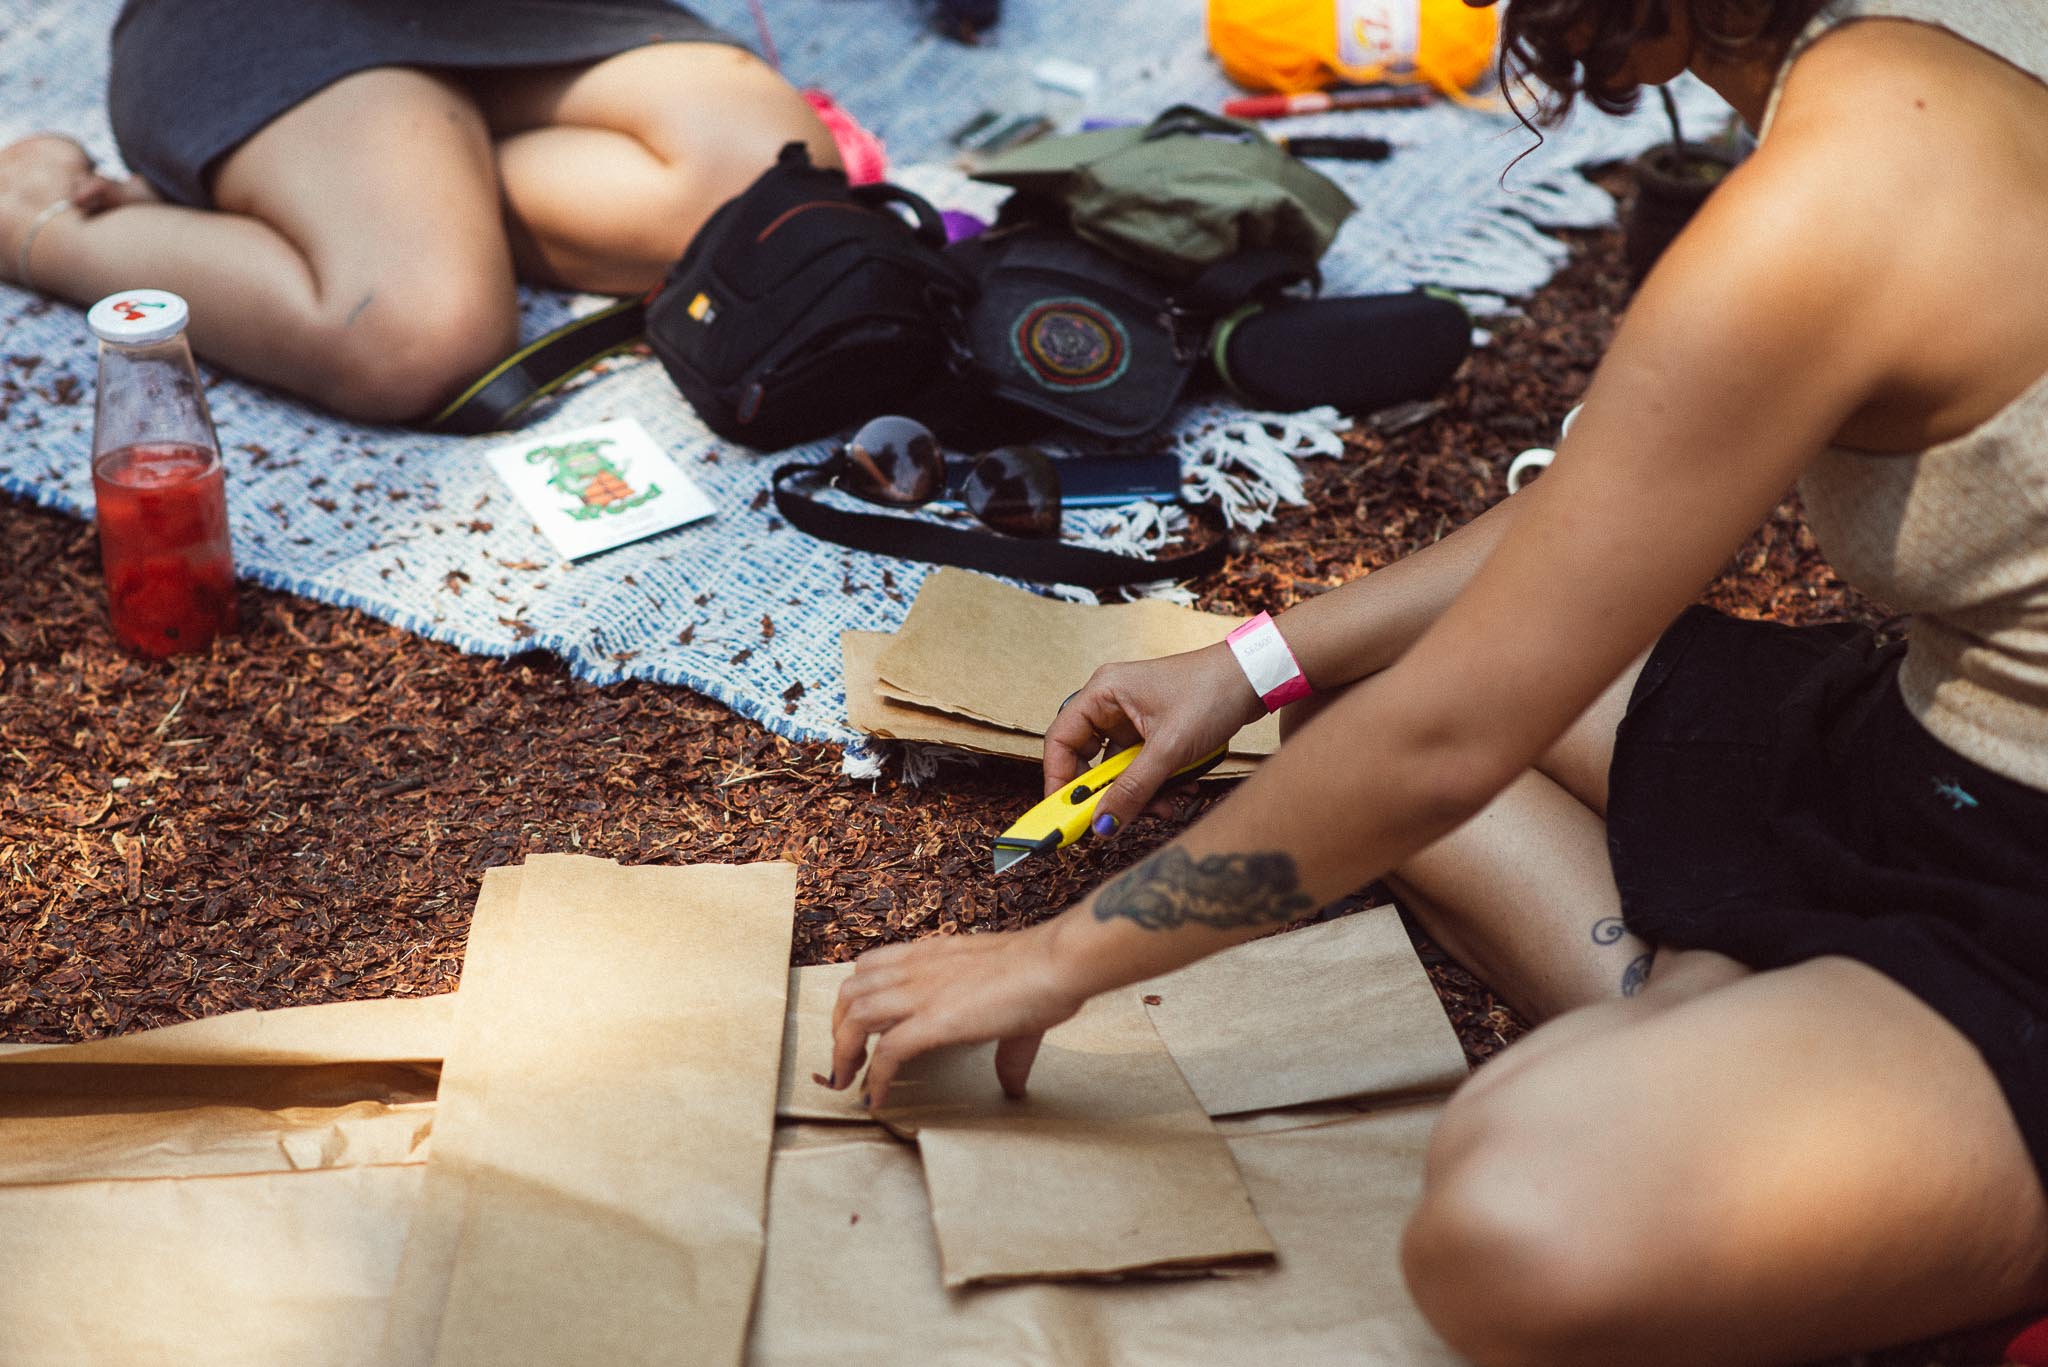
[{"x": 585, "y": 473}]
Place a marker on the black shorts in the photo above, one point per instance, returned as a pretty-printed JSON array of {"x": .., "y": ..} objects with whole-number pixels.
[
  {"x": 191, "y": 80},
  {"x": 1772, "y": 798}
]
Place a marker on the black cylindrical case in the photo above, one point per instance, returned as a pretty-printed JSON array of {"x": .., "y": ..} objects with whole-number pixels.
[{"x": 1357, "y": 354}]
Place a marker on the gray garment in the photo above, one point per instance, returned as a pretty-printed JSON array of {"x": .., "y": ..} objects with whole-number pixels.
[
  {"x": 191, "y": 80},
  {"x": 1956, "y": 535}
]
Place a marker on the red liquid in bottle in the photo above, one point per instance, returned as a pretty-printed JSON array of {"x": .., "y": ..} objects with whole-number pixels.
[{"x": 163, "y": 528}]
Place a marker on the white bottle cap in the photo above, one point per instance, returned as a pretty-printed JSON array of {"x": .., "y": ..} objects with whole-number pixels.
[{"x": 138, "y": 317}]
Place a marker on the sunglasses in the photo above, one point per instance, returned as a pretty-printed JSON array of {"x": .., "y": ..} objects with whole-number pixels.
[{"x": 897, "y": 462}]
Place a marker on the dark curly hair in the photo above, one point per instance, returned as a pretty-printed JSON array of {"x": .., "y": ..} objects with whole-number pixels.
[{"x": 1579, "y": 47}]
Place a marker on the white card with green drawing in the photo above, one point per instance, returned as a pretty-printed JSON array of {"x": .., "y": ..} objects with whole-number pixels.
[{"x": 599, "y": 487}]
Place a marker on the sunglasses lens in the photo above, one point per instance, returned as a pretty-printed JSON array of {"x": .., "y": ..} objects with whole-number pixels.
[
  {"x": 893, "y": 460},
  {"x": 1016, "y": 490}
]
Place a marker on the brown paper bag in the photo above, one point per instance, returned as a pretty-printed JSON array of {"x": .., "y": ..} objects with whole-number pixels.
[
  {"x": 1109, "y": 1165},
  {"x": 100, "y": 1122},
  {"x": 868, "y": 710},
  {"x": 233, "y": 1216},
  {"x": 981, "y": 649},
  {"x": 1327, "y": 1012},
  {"x": 1334, "y": 1193},
  {"x": 606, "y": 1114}
]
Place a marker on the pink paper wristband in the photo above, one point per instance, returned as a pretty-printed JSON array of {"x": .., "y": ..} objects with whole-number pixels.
[{"x": 1262, "y": 653}]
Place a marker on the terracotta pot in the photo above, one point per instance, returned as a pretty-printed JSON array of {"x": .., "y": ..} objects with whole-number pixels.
[{"x": 1672, "y": 181}]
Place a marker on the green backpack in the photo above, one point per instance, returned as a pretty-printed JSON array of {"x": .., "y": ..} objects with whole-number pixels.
[{"x": 1181, "y": 193}]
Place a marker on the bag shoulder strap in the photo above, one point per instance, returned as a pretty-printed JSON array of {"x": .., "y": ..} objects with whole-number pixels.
[
  {"x": 910, "y": 538},
  {"x": 502, "y": 394},
  {"x": 1236, "y": 280}
]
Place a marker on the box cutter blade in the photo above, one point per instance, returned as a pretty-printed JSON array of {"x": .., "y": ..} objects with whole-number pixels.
[{"x": 1060, "y": 819}]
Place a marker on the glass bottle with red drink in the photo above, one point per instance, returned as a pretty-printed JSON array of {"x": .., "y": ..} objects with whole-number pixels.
[{"x": 157, "y": 481}]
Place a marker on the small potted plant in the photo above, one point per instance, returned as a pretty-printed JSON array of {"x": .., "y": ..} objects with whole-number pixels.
[{"x": 1672, "y": 180}]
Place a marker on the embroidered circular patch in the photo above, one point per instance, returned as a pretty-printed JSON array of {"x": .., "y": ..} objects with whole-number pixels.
[{"x": 1071, "y": 344}]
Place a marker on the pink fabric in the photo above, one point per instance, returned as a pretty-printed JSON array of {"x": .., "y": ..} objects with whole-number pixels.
[
  {"x": 862, "y": 152},
  {"x": 2030, "y": 1347}
]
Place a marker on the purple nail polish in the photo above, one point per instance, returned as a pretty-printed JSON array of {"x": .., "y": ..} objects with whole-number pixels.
[
  {"x": 1105, "y": 824},
  {"x": 865, "y": 1103}
]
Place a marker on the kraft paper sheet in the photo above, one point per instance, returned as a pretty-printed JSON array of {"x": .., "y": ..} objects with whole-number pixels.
[
  {"x": 387, "y": 1030},
  {"x": 852, "y": 1275},
  {"x": 985, "y": 650},
  {"x": 1107, "y": 1166},
  {"x": 606, "y": 1114},
  {"x": 1329, "y": 1012},
  {"x": 273, "y": 1269},
  {"x": 870, "y": 711}
]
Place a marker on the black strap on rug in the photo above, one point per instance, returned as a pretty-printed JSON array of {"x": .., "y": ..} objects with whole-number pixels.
[
  {"x": 1043, "y": 562},
  {"x": 496, "y": 401}
]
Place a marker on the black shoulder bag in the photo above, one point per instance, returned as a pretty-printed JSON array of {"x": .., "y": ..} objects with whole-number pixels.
[{"x": 803, "y": 305}]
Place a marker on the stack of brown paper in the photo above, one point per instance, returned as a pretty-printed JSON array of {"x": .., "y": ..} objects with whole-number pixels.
[
  {"x": 982, "y": 666},
  {"x": 240, "y": 1190}
]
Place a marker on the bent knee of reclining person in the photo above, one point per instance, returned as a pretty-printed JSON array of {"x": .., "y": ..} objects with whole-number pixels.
[{"x": 402, "y": 354}]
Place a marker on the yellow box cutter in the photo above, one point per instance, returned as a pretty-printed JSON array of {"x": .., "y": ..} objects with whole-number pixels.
[{"x": 1060, "y": 819}]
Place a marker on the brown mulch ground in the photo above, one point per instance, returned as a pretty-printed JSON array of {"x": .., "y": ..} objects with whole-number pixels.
[{"x": 304, "y": 815}]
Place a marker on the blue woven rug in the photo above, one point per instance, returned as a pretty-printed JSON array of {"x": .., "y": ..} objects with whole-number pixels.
[{"x": 415, "y": 530}]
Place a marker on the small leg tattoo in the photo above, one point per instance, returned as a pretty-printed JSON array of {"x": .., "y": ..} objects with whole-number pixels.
[
  {"x": 1222, "y": 891},
  {"x": 1635, "y": 975}
]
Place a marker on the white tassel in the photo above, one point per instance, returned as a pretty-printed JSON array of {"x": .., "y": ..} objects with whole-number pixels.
[{"x": 862, "y": 762}]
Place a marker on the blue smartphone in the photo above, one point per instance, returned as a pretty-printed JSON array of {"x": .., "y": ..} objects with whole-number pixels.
[{"x": 1097, "y": 481}]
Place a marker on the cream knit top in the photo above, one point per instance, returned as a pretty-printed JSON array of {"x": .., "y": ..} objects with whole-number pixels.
[{"x": 1956, "y": 535}]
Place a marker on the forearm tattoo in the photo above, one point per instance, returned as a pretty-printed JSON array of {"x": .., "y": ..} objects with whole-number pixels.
[{"x": 1221, "y": 891}]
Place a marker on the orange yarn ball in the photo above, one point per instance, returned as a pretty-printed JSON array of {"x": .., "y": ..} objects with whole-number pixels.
[{"x": 1292, "y": 46}]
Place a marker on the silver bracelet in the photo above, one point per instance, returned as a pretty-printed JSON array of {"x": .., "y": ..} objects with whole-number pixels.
[{"x": 28, "y": 239}]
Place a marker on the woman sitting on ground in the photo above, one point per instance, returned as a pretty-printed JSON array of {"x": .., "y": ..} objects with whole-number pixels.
[
  {"x": 346, "y": 191},
  {"x": 1781, "y": 895}
]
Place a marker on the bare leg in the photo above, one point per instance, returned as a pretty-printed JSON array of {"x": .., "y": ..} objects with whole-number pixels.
[
  {"x": 1730, "y": 1168},
  {"x": 1523, "y": 894},
  {"x": 357, "y": 257},
  {"x": 610, "y": 169}
]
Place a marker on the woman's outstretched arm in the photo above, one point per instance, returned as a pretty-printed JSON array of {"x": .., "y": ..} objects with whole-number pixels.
[{"x": 1744, "y": 354}]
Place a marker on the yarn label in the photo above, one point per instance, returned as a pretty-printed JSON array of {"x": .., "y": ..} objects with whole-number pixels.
[{"x": 1384, "y": 34}]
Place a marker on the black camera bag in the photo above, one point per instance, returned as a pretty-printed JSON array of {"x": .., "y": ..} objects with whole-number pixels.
[{"x": 802, "y": 307}]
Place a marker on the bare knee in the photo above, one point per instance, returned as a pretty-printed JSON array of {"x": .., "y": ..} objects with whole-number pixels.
[
  {"x": 1506, "y": 1257},
  {"x": 399, "y": 352}
]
